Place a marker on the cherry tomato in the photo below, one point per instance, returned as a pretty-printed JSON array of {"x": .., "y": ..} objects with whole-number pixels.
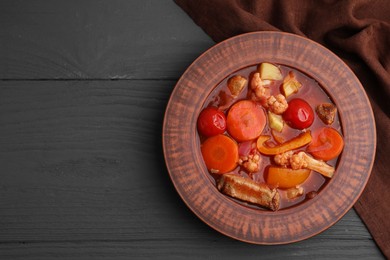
[
  {"x": 211, "y": 121},
  {"x": 299, "y": 114}
]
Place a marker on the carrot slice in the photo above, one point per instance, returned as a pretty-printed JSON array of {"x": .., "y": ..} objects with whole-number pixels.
[
  {"x": 245, "y": 120},
  {"x": 220, "y": 154},
  {"x": 286, "y": 178},
  {"x": 327, "y": 144}
]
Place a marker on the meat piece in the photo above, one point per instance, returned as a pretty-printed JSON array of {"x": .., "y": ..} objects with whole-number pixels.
[
  {"x": 248, "y": 190},
  {"x": 311, "y": 194},
  {"x": 236, "y": 84},
  {"x": 326, "y": 112},
  {"x": 277, "y": 104}
]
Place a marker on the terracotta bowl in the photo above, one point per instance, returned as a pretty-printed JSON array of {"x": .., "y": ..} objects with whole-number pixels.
[{"x": 191, "y": 178}]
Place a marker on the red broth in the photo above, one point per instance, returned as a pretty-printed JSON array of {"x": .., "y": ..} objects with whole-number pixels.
[{"x": 312, "y": 92}]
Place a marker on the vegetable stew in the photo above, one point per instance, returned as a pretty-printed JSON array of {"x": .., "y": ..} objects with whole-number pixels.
[{"x": 270, "y": 136}]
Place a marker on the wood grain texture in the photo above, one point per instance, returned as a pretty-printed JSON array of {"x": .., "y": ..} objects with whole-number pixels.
[
  {"x": 83, "y": 174},
  {"x": 96, "y": 39},
  {"x": 73, "y": 153},
  {"x": 83, "y": 178},
  {"x": 215, "y": 248}
]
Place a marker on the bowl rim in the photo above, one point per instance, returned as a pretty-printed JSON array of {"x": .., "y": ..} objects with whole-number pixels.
[{"x": 166, "y": 145}]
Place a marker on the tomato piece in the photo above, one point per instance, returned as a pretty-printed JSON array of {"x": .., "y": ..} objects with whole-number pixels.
[
  {"x": 220, "y": 154},
  {"x": 286, "y": 178},
  {"x": 245, "y": 120},
  {"x": 299, "y": 114},
  {"x": 327, "y": 144},
  {"x": 211, "y": 121}
]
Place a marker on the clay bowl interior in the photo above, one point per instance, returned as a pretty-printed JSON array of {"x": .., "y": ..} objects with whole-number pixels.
[{"x": 191, "y": 178}]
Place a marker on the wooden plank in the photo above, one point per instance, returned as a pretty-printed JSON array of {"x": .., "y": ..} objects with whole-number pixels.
[
  {"x": 75, "y": 151},
  {"x": 188, "y": 249},
  {"x": 97, "y": 39},
  {"x": 83, "y": 176}
]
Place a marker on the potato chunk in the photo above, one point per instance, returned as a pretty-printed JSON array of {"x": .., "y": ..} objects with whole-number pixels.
[
  {"x": 270, "y": 71},
  {"x": 290, "y": 85}
]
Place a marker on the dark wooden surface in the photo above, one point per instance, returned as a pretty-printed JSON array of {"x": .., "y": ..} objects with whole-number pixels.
[{"x": 83, "y": 88}]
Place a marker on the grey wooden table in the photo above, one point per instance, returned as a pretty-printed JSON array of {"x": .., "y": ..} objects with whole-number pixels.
[{"x": 83, "y": 88}]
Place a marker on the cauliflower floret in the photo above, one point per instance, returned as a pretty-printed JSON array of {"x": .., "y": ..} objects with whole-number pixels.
[
  {"x": 251, "y": 162},
  {"x": 302, "y": 160},
  {"x": 259, "y": 87},
  {"x": 283, "y": 159},
  {"x": 277, "y": 104},
  {"x": 256, "y": 81},
  {"x": 297, "y": 161},
  {"x": 261, "y": 92},
  {"x": 316, "y": 165}
]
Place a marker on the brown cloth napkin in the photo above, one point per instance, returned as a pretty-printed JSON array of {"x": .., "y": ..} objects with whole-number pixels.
[{"x": 358, "y": 31}]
